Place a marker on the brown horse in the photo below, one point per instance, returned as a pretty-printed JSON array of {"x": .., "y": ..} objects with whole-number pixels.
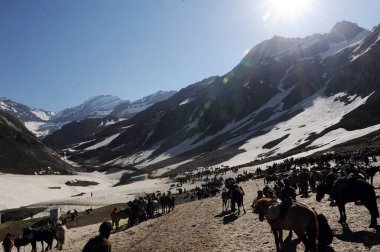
[
  {"x": 122, "y": 214},
  {"x": 237, "y": 196},
  {"x": 9, "y": 242},
  {"x": 300, "y": 218}
]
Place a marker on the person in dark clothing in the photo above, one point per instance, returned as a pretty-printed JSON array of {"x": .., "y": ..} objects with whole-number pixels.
[
  {"x": 287, "y": 192},
  {"x": 100, "y": 243},
  {"x": 287, "y": 196},
  {"x": 268, "y": 192}
]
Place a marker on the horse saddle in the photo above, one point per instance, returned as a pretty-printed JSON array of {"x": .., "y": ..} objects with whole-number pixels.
[{"x": 274, "y": 210}]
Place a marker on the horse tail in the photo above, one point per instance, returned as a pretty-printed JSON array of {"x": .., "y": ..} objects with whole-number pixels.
[{"x": 312, "y": 231}]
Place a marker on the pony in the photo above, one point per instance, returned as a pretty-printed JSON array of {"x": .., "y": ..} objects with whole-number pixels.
[
  {"x": 226, "y": 200},
  {"x": 138, "y": 209},
  {"x": 346, "y": 190},
  {"x": 371, "y": 171},
  {"x": 237, "y": 196},
  {"x": 167, "y": 203},
  {"x": 299, "y": 218},
  {"x": 125, "y": 213},
  {"x": 9, "y": 242},
  {"x": 41, "y": 235},
  {"x": 21, "y": 242},
  {"x": 60, "y": 236},
  {"x": 270, "y": 178}
]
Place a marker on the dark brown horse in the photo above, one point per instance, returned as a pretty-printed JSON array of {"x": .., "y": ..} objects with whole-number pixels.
[
  {"x": 237, "y": 196},
  {"x": 167, "y": 203},
  {"x": 371, "y": 171},
  {"x": 39, "y": 235},
  {"x": 270, "y": 178},
  {"x": 299, "y": 218},
  {"x": 346, "y": 190}
]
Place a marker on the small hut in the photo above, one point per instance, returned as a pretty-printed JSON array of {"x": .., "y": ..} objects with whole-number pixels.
[{"x": 55, "y": 213}]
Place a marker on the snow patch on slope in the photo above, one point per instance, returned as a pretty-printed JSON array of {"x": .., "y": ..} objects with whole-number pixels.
[
  {"x": 334, "y": 48},
  {"x": 318, "y": 114},
  {"x": 103, "y": 143}
]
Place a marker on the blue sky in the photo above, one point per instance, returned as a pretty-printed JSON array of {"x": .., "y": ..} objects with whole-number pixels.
[{"x": 56, "y": 54}]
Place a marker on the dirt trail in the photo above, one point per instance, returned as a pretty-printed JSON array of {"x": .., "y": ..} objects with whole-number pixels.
[{"x": 199, "y": 226}]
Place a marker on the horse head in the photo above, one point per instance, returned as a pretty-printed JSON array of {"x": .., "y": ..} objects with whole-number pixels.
[
  {"x": 27, "y": 233},
  {"x": 320, "y": 191}
]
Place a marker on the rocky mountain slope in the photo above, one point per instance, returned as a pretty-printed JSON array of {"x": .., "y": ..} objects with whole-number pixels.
[
  {"x": 22, "y": 153},
  {"x": 286, "y": 96}
]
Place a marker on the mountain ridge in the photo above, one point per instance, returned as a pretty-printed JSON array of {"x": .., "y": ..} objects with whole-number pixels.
[
  {"x": 228, "y": 121},
  {"x": 42, "y": 122}
]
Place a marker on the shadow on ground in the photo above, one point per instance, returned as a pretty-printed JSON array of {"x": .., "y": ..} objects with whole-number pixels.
[{"x": 368, "y": 239}]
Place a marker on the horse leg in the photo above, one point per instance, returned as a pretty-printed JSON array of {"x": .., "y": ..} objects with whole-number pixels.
[
  {"x": 281, "y": 240},
  {"x": 276, "y": 240},
  {"x": 374, "y": 212},
  {"x": 341, "y": 213},
  {"x": 117, "y": 223},
  {"x": 302, "y": 236},
  {"x": 242, "y": 204}
]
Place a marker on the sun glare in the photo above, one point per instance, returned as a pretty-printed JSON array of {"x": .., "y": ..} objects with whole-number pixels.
[{"x": 290, "y": 9}]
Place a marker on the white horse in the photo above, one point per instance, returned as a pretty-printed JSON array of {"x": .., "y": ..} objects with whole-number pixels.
[{"x": 60, "y": 235}]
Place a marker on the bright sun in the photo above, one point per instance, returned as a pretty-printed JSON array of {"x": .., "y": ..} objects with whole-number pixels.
[{"x": 290, "y": 9}]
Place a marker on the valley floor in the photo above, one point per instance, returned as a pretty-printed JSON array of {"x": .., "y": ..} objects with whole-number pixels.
[{"x": 200, "y": 226}]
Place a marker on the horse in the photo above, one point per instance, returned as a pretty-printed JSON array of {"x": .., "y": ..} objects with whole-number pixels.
[
  {"x": 346, "y": 190},
  {"x": 21, "y": 242},
  {"x": 138, "y": 209},
  {"x": 9, "y": 242},
  {"x": 226, "y": 200},
  {"x": 124, "y": 214},
  {"x": 237, "y": 196},
  {"x": 299, "y": 218},
  {"x": 371, "y": 171},
  {"x": 152, "y": 208},
  {"x": 270, "y": 178},
  {"x": 167, "y": 203},
  {"x": 42, "y": 235},
  {"x": 60, "y": 236}
]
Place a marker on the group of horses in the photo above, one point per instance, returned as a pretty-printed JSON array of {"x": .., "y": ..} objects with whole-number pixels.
[
  {"x": 344, "y": 183},
  {"x": 32, "y": 235},
  {"x": 144, "y": 208}
]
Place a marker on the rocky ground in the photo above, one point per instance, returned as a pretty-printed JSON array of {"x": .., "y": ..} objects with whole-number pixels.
[{"x": 201, "y": 226}]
